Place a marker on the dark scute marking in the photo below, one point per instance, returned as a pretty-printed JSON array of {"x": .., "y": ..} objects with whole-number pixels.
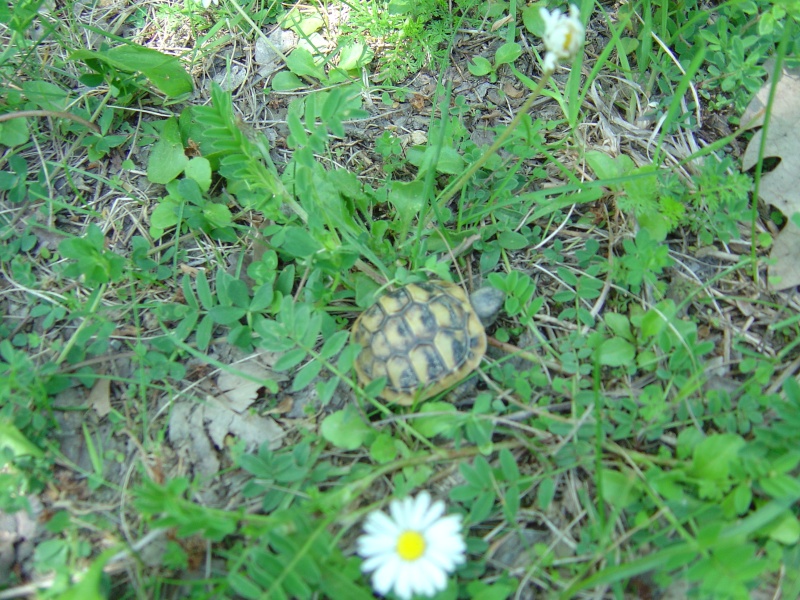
[
  {"x": 407, "y": 380},
  {"x": 428, "y": 320},
  {"x": 474, "y": 341},
  {"x": 460, "y": 350},
  {"x": 436, "y": 366}
]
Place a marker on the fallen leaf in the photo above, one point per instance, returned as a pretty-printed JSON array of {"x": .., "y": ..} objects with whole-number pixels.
[
  {"x": 190, "y": 440},
  {"x": 250, "y": 428},
  {"x": 100, "y": 396},
  {"x": 779, "y": 187},
  {"x": 241, "y": 391}
]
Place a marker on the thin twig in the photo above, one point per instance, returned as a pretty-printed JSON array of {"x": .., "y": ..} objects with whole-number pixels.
[{"x": 23, "y": 114}]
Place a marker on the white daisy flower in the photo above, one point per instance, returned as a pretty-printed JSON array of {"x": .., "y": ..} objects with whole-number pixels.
[
  {"x": 413, "y": 550},
  {"x": 563, "y": 36},
  {"x": 207, "y": 3}
]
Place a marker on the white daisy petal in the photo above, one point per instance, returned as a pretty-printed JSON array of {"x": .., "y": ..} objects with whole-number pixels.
[
  {"x": 413, "y": 549},
  {"x": 387, "y": 575},
  {"x": 379, "y": 522},
  {"x": 376, "y": 545},
  {"x": 563, "y": 36}
]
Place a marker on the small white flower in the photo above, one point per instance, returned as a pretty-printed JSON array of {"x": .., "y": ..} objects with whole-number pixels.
[
  {"x": 207, "y": 3},
  {"x": 413, "y": 550},
  {"x": 563, "y": 36}
]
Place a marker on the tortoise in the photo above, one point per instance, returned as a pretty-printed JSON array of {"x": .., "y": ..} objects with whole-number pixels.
[{"x": 423, "y": 338}]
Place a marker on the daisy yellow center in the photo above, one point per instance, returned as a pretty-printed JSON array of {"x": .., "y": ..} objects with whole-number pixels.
[{"x": 410, "y": 545}]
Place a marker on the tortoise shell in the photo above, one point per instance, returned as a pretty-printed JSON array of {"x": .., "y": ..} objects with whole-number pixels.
[{"x": 422, "y": 338}]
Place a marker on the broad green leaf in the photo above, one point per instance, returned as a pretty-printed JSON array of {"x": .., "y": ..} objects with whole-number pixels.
[
  {"x": 290, "y": 360},
  {"x": 14, "y": 132},
  {"x": 532, "y": 19},
  {"x": 479, "y": 66},
  {"x": 286, "y": 81},
  {"x": 164, "y": 71},
  {"x": 303, "y": 24},
  {"x": 298, "y": 242},
  {"x": 46, "y": 95},
  {"x": 13, "y": 439},
  {"x": 345, "y": 429},
  {"x": 448, "y": 160},
  {"x": 436, "y": 424},
  {"x": 199, "y": 170},
  {"x": 512, "y": 240},
  {"x": 619, "y": 489},
  {"x": 407, "y": 197},
  {"x": 334, "y": 344},
  {"x": 714, "y": 455},
  {"x": 306, "y": 375},
  {"x": 619, "y": 324},
  {"x": 89, "y": 585},
  {"x": 383, "y": 448},
  {"x": 616, "y": 352},
  {"x": 301, "y": 63},
  {"x": 217, "y": 215},
  {"x": 226, "y": 315},
  {"x": 606, "y": 167},
  {"x": 355, "y": 56},
  {"x": 785, "y": 530},
  {"x": 507, "y": 53},
  {"x": 167, "y": 159},
  {"x": 163, "y": 217}
]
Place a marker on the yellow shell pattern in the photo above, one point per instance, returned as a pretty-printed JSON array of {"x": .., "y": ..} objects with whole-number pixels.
[{"x": 422, "y": 338}]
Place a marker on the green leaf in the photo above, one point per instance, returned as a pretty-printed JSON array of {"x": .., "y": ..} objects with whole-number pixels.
[
  {"x": 512, "y": 240},
  {"x": 167, "y": 159},
  {"x": 345, "y": 429},
  {"x": 448, "y": 160},
  {"x": 306, "y": 375},
  {"x": 508, "y": 465},
  {"x": 226, "y": 315},
  {"x": 89, "y": 588},
  {"x": 303, "y": 24},
  {"x": 606, "y": 167},
  {"x": 262, "y": 297},
  {"x": 620, "y": 490},
  {"x": 785, "y": 530},
  {"x": 203, "y": 290},
  {"x": 286, "y": 81},
  {"x": 217, "y": 215},
  {"x": 532, "y": 19},
  {"x": 164, "y": 71},
  {"x": 14, "y": 132},
  {"x": 355, "y": 56},
  {"x": 334, "y": 344},
  {"x": 199, "y": 170},
  {"x": 164, "y": 216},
  {"x": 326, "y": 389},
  {"x": 301, "y": 63},
  {"x": 46, "y": 95},
  {"x": 383, "y": 449},
  {"x": 433, "y": 425},
  {"x": 298, "y": 242},
  {"x": 13, "y": 439},
  {"x": 479, "y": 66},
  {"x": 407, "y": 198},
  {"x": 714, "y": 456},
  {"x": 619, "y": 324},
  {"x": 616, "y": 352},
  {"x": 290, "y": 360},
  {"x": 507, "y": 53}
]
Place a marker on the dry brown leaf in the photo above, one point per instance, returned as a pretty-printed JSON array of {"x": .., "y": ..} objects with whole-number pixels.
[
  {"x": 240, "y": 391},
  {"x": 100, "y": 397},
  {"x": 781, "y": 186}
]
